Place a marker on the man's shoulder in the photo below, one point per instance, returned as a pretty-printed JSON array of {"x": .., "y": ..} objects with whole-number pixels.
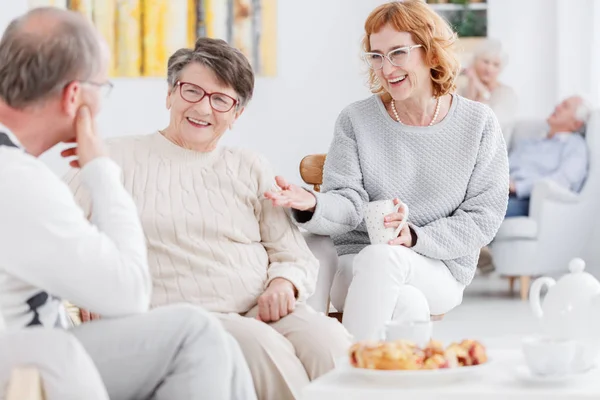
[
  {"x": 577, "y": 139},
  {"x": 23, "y": 178},
  {"x": 15, "y": 165},
  {"x": 576, "y": 142}
]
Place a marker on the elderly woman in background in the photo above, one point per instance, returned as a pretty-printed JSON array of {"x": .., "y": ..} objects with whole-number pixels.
[
  {"x": 482, "y": 84},
  {"x": 214, "y": 240},
  {"x": 415, "y": 142}
]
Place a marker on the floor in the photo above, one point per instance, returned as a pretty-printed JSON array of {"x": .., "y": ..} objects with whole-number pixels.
[{"x": 488, "y": 313}]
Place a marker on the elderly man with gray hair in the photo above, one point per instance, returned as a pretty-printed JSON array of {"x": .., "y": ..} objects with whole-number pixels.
[
  {"x": 561, "y": 155},
  {"x": 53, "y": 67}
]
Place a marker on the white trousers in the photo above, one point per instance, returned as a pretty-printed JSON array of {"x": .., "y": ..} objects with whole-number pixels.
[{"x": 383, "y": 283}]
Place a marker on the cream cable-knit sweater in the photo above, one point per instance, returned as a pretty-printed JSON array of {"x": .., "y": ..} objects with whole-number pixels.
[{"x": 213, "y": 239}]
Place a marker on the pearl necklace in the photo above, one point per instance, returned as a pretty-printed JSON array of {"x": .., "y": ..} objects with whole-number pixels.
[{"x": 435, "y": 114}]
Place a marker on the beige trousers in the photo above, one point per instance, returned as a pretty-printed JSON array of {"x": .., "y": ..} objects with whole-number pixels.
[{"x": 284, "y": 356}]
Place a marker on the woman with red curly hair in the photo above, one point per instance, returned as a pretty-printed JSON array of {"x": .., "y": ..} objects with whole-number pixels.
[{"x": 416, "y": 142}]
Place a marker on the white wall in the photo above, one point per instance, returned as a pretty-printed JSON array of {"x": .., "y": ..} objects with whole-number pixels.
[
  {"x": 526, "y": 28},
  {"x": 553, "y": 46}
]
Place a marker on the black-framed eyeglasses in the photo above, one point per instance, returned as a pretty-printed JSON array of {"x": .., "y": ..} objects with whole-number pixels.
[
  {"x": 105, "y": 87},
  {"x": 397, "y": 57},
  {"x": 192, "y": 93}
]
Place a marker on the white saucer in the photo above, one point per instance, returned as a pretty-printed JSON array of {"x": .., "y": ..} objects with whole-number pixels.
[{"x": 523, "y": 373}]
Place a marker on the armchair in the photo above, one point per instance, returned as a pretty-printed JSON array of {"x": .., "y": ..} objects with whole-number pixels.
[{"x": 559, "y": 221}]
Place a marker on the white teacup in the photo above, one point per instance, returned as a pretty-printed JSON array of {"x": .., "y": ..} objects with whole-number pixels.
[
  {"x": 374, "y": 215},
  {"x": 418, "y": 332},
  {"x": 546, "y": 356}
]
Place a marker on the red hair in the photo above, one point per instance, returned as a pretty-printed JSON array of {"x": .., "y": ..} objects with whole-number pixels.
[{"x": 427, "y": 29}]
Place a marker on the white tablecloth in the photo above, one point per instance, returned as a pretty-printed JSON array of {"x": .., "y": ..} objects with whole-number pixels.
[{"x": 498, "y": 381}]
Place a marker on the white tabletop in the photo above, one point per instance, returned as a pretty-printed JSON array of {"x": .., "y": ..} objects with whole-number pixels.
[{"x": 498, "y": 381}]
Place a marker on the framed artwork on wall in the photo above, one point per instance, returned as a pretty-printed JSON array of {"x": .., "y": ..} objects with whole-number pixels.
[{"x": 142, "y": 34}]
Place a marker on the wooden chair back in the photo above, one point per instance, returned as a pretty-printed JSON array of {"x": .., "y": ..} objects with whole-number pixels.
[{"x": 311, "y": 170}]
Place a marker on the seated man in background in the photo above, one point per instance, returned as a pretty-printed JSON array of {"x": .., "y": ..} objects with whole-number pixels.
[{"x": 561, "y": 155}]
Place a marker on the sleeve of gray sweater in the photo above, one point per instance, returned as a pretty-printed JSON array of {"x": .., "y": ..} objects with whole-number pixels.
[
  {"x": 476, "y": 221},
  {"x": 340, "y": 206}
]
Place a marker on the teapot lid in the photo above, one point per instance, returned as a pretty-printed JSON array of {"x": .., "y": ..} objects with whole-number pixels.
[
  {"x": 576, "y": 265},
  {"x": 576, "y": 285}
]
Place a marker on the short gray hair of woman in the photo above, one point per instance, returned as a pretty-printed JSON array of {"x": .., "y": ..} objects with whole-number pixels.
[
  {"x": 230, "y": 66},
  {"x": 491, "y": 47},
  {"x": 37, "y": 59}
]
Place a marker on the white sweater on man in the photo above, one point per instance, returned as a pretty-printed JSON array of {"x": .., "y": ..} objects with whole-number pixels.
[{"x": 49, "y": 250}]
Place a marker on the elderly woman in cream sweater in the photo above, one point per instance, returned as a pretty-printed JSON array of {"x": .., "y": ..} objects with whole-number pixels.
[{"x": 213, "y": 238}]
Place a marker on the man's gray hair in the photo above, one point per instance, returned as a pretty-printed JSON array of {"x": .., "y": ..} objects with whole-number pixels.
[
  {"x": 230, "y": 66},
  {"x": 44, "y": 50},
  {"x": 491, "y": 47},
  {"x": 583, "y": 110}
]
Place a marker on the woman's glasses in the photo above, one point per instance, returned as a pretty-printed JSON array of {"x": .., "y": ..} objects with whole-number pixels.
[
  {"x": 219, "y": 102},
  {"x": 397, "y": 57}
]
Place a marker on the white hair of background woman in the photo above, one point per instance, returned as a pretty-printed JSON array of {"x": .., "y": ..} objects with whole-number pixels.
[{"x": 491, "y": 47}]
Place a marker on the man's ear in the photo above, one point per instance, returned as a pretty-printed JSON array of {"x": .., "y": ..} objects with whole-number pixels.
[
  {"x": 71, "y": 98},
  {"x": 576, "y": 126}
]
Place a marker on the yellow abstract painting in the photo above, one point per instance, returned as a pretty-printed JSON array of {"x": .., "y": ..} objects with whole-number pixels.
[{"x": 142, "y": 34}]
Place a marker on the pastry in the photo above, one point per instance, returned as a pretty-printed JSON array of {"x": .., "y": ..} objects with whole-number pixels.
[{"x": 405, "y": 355}]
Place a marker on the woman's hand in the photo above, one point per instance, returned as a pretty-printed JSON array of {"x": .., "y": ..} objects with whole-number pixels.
[
  {"x": 277, "y": 301},
  {"x": 87, "y": 316},
  {"x": 292, "y": 196},
  {"x": 393, "y": 220}
]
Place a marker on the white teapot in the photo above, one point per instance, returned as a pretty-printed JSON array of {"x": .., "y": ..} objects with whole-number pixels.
[{"x": 571, "y": 311}]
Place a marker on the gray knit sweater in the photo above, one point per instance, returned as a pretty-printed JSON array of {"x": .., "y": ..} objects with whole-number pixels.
[{"x": 452, "y": 175}]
